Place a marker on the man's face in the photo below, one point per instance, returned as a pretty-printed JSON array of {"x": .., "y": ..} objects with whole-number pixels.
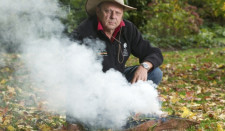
[{"x": 110, "y": 14}]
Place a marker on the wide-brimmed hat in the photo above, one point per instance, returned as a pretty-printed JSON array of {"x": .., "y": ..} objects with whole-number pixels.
[{"x": 92, "y": 4}]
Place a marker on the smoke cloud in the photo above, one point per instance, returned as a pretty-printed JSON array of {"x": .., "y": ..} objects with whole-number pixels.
[{"x": 71, "y": 74}]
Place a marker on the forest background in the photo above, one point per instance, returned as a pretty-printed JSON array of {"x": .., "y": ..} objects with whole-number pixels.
[{"x": 168, "y": 23}]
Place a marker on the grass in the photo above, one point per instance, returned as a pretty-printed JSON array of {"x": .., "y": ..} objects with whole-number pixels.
[
  {"x": 194, "y": 79},
  {"x": 197, "y": 78}
]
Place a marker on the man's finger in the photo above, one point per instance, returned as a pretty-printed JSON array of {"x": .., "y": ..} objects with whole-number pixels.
[
  {"x": 146, "y": 78},
  {"x": 134, "y": 80}
]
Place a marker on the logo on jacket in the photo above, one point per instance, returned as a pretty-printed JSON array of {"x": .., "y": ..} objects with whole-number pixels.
[
  {"x": 125, "y": 52},
  {"x": 102, "y": 53}
]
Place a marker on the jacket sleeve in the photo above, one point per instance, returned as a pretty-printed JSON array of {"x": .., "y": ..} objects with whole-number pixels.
[
  {"x": 75, "y": 36},
  {"x": 86, "y": 29},
  {"x": 142, "y": 49}
]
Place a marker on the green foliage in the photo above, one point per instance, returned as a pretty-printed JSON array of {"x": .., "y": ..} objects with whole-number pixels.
[
  {"x": 137, "y": 16},
  {"x": 166, "y": 23},
  {"x": 169, "y": 18},
  {"x": 219, "y": 30},
  {"x": 204, "y": 39},
  {"x": 178, "y": 24},
  {"x": 210, "y": 10},
  {"x": 175, "y": 24},
  {"x": 76, "y": 13}
]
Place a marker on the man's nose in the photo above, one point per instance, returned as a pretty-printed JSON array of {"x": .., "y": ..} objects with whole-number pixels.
[{"x": 113, "y": 14}]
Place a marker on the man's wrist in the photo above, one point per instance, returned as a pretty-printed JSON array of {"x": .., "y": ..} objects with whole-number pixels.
[{"x": 147, "y": 65}]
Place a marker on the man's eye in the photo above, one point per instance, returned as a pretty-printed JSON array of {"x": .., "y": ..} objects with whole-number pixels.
[
  {"x": 107, "y": 11},
  {"x": 118, "y": 13}
]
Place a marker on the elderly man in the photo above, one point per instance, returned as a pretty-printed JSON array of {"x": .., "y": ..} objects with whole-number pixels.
[{"x": 122, "y": 38}]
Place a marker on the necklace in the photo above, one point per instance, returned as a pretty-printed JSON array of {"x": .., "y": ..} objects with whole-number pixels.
[{"x": 119, "y": 49}]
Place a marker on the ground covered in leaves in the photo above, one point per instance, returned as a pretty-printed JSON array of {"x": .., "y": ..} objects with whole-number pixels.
[{"x": 192, "y": 87}]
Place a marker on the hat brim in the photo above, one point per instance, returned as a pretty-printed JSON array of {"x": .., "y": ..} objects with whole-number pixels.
[{"x": 91, "y": 6}]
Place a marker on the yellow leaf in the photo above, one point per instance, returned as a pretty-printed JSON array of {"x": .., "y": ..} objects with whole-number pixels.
[
  {"x": 213, "y": 83},
  {"x": 187, "y": 113},
  {"x": 11, "y": 90},
  {"x": 174, "y": 98},
  {"x": 212, "y": 53},
  {"x": 11, "y": 128},
  {"x": 44, "y": 127},
  {"x": 3, "y": 81},
  {"x": 29, "y": 127},
  {"x": 165, "y": 78},
  {"x": 223, "y": 7},
  {"x": 219, "y": 127},
  {"x": 221, "y": 66},
  {"x": 5, "y": 69},
  {"x": 20, "y": 126},
  {"x": 6, "y": 122},
  {"x": 182, "y": 96}
]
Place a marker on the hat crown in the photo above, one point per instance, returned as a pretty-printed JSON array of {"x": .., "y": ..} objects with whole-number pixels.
[
  {"x": 92, "y": 4},
  {"x": 119, "y": 1}
]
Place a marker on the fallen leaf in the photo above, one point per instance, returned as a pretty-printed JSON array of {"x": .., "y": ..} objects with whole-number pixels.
[
  {"x": 174, "y": 98},
  {"x": 189, "y": 95},
  {"x": 6, "y": 69},
  {"x": 221, "y": 66},
  {"x": 44, "y": 127},
  {"x": 219, "y": 127},
  {"x": 3, "y": 81},
  {"x": 11, "y": 128},
  {"x": 222, "y": 116},
  {"x": 187, "y": 113},
  {"x": 11, "y": 90}
]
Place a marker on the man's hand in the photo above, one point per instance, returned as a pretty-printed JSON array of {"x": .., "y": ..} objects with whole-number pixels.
[{"x": 141, "y": 73}]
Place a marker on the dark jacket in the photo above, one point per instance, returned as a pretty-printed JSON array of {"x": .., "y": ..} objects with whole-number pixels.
[{"x": 116, "y": 54}]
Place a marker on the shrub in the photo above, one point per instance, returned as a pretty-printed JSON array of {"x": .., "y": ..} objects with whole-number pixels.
[
  {"x": 210, "y": 10},
  {"x": 76, "y": 13},
  {"x": 171, "y": 23},
  {"x": 205, "y": 38},
  {"x": 169, "y": 18},
  {"x": 137, "y": 16},
  {"x": 219, "y": 30}
]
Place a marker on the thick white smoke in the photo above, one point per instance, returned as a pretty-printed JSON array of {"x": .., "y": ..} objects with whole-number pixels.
[{"x": 70, "y": 73}]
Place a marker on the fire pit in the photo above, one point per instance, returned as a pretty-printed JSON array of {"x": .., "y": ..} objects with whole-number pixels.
[{"x": 169, "y": 123}]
